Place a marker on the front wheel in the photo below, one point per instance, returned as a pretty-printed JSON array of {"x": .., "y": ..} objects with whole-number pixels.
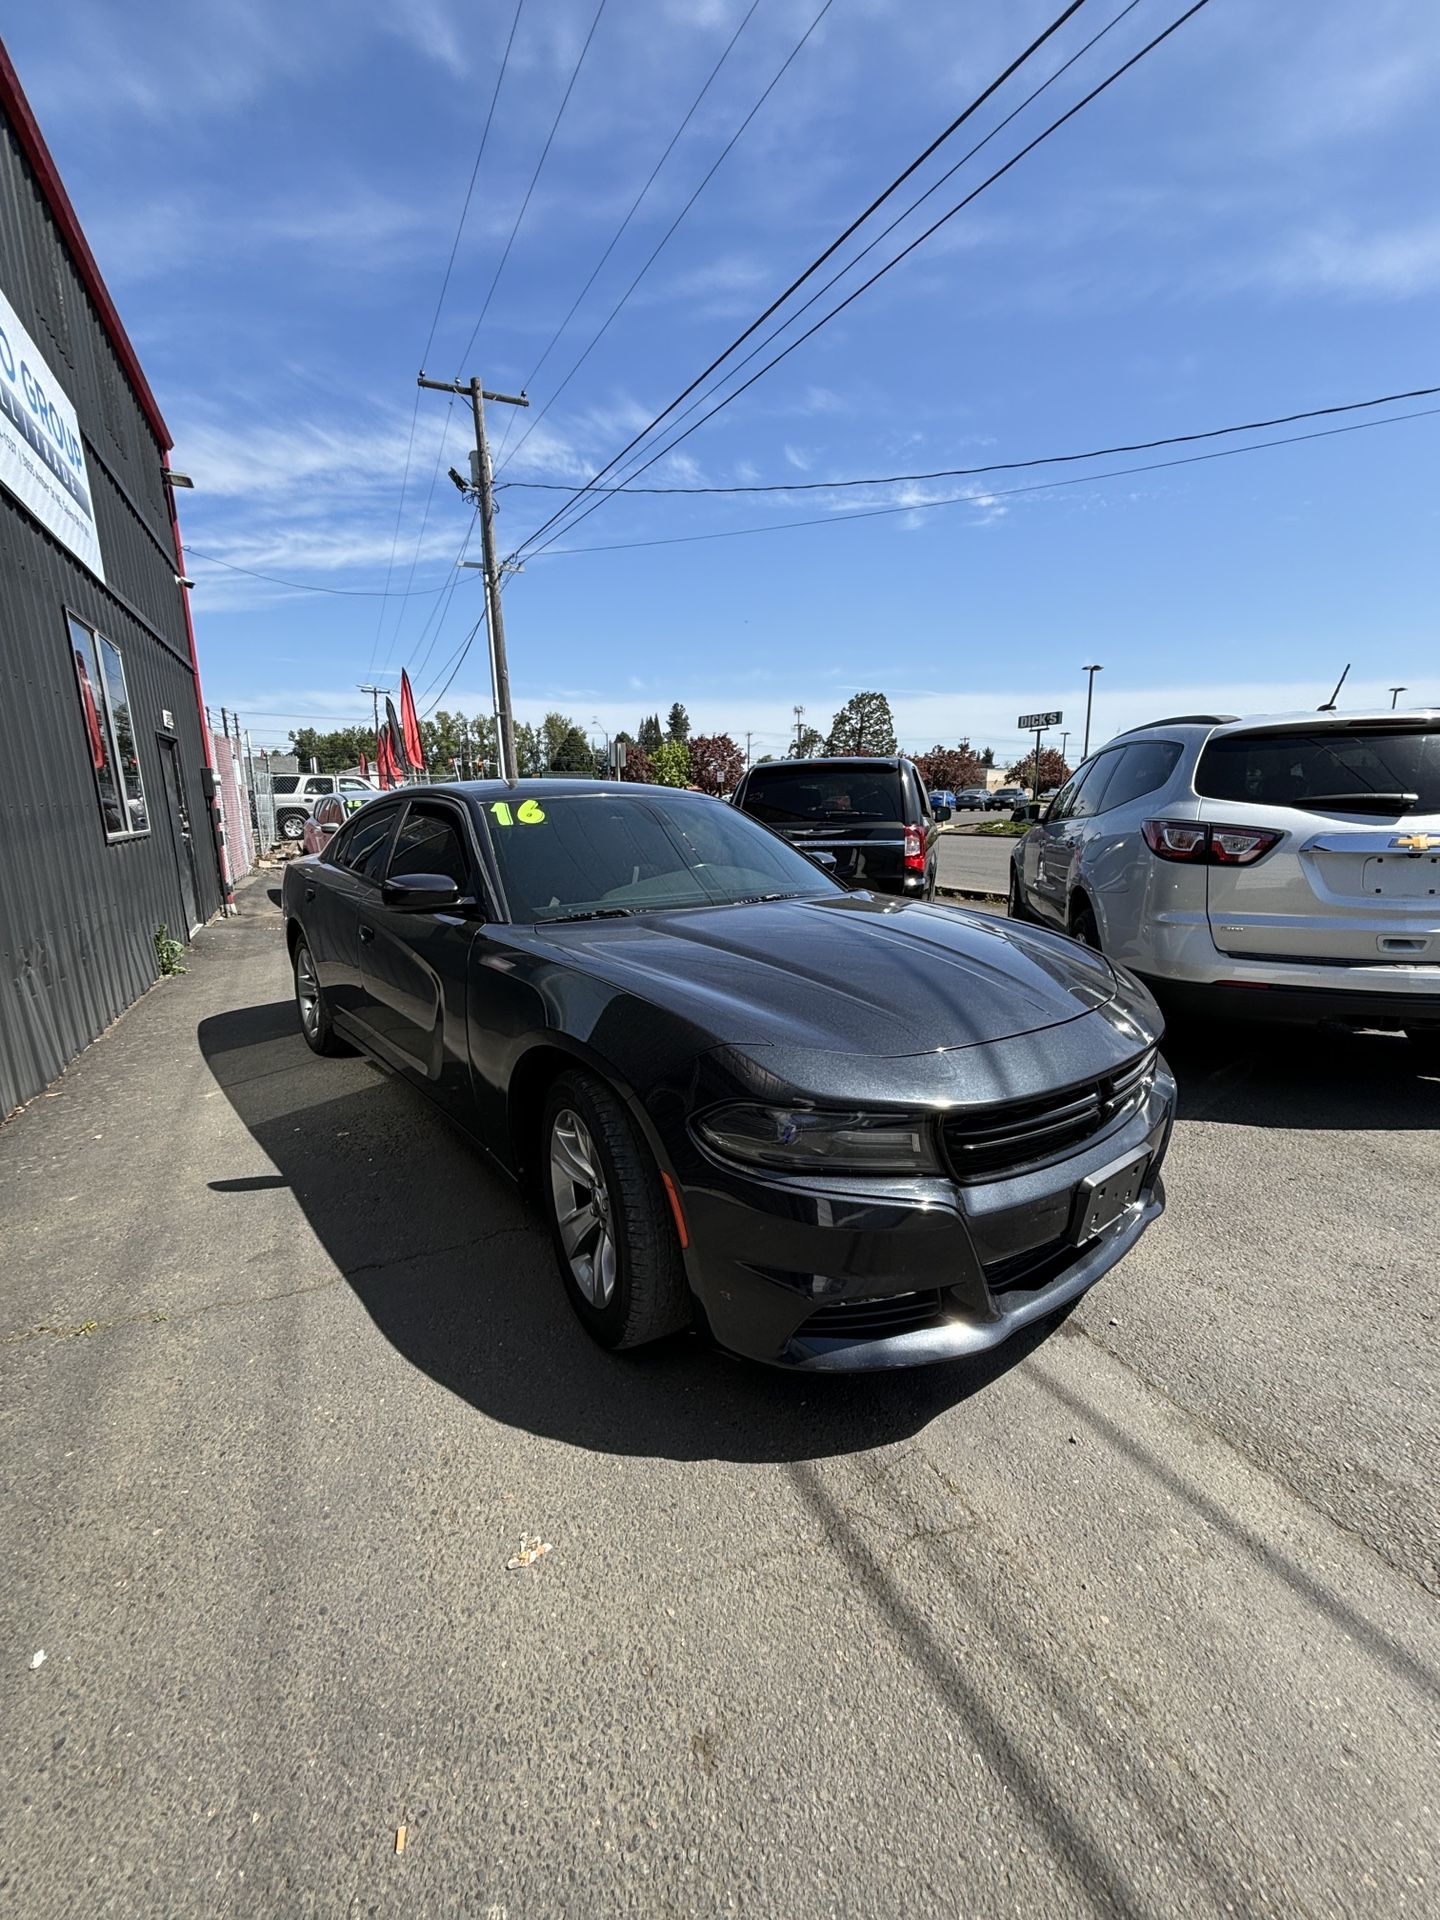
[
  {"x": 292, "y": 826},
  {"x": 614, "y": 1237},
  {"x": 1084, "y": 927},
  {"x": 1018, "y": 909}
]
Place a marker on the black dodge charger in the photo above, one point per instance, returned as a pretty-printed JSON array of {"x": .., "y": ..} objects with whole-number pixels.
[{"x": 834, "y": 1129}]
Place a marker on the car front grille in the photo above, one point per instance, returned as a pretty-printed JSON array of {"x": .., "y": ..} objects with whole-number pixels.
[
  {"x": 984, "y": 1141},
  {"x": 875, "y": 1319}
]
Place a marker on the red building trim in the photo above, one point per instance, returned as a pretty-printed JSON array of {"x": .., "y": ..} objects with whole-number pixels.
[{"x": 32, "y": 145}]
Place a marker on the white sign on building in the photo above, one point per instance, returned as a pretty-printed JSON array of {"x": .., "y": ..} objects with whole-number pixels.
[{"x": 42, "y": 458}]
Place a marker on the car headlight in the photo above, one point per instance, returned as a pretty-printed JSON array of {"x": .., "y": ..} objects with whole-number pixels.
[{"x": 794, "y": 1139}]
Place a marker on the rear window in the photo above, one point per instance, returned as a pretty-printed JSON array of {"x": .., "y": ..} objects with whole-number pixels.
[
  {"x": 1380, "y": 770},
  {"x": 779, "y": 794},
  {"x": 285, "y": 783}
]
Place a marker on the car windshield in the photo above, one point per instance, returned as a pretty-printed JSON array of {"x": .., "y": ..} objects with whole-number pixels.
[
  {"x": 1379, "y": 769},
  {"x": 576, "y": 856},
  {"x": 780, "y": 794}
]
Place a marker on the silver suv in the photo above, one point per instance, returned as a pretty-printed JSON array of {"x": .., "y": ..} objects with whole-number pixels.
[
  {"x": 296, "y": 794},
  {"x": 1285, "y": 867}
]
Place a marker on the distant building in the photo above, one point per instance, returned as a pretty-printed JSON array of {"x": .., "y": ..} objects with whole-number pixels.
[{"x": 107, "y": 828}]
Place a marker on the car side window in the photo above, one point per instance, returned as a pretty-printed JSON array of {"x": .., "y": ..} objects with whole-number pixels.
[
  {"x": 431, "y": 842},
  {"x": 364, "y": 847},
  {"x": 322, "y": 784},
  {"x": 354, "y": 786},
  {"x": 1091, "y": 798},
  {"x": 1146, "y": 765},
  {"x": 1060, "y": 806}
]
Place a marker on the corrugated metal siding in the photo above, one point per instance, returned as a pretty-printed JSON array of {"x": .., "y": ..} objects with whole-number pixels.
[{"x": 78, "y": 915}]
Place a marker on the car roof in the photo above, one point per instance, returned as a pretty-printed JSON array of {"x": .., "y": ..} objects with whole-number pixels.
[
  {"x": 1204, "y": 725},
  {"x": 836, "y": 760},
  {"x": 542, "y": 787}
]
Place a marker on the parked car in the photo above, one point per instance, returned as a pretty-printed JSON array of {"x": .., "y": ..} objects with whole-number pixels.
[
  {"x": 837, "y": 1130},
  {"x": 972, "y": 800},
  {"x": 942, "y": 797},
  {"x": 872, "y": 816},
  {"x": 1284, "y": 867},
  {"x": 296, "y": 793},
  {"x": 1007, "y": 799},
  {"x": 326, "y": 819}
]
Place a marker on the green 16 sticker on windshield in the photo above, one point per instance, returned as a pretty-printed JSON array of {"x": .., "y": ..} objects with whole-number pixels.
[{"x": 529, "y": 813}]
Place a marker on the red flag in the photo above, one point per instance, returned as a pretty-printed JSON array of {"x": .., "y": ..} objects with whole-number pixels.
[
  {"x": 385, "y": 762},
  {"x": 92, "y": 718},
  {"x": 364, "y": 765},
  {"x": 413, "y": 744}
]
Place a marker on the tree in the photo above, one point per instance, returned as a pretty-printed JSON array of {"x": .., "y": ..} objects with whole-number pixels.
[
  {"x": 574, "y": 754},
  {"x": 863, "y": 725},
  {"x": 332, "y": 751},
  {"x": 677, "y": 727},
  {"x": 1053, "y": 771},
  {"x": 671, "y": 764},
  {"x": 555, "y": 727},
  {"x": 530, "y": 750},
  {"x": 716, "y": 763},
  {"x": 951, "y": 768},
  {"x": 650, "y": 734},
  {"x": 806, "y": 744},
  {"x": 637, "y": 767},
  {"x": 987, "y": 758}
]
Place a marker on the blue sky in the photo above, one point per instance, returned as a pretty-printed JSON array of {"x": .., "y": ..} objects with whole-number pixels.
[{"x": 1246, "y": 225}]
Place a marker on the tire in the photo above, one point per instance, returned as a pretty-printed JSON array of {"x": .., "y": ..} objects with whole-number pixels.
[
  {"x": 312, "y": 1006},
  {"x": 1083, "y": 925},
  {"x": 1018, "y": 909},
  {"x": 292, "y": 826},
  {"x": 619, "y": 1261}
]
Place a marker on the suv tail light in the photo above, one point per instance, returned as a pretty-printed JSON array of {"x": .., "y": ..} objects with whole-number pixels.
[
  {"x": 1203, "y": 846},
  {"x": 914, "y": 850}
]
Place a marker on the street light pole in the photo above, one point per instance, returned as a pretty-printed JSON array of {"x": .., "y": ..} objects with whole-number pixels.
[
  {"x": 1395, "y": 693},
  {"x": 1089, "y": 701}
]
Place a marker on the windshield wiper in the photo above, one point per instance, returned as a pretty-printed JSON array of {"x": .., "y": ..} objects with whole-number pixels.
[
  {"x": 756, "y": 899},
  {"x": 591, "y": 913},
  {"x": 1361, "y": 802}
]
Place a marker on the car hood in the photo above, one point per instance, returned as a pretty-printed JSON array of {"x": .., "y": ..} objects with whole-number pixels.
[{"x": 849, "y": 974}]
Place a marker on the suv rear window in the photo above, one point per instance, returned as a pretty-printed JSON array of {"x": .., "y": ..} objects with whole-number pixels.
[
  {"x": 1369, "y": 769},
  {"x": 780, "y": 793},
  {"x": 285, "y": 783}
]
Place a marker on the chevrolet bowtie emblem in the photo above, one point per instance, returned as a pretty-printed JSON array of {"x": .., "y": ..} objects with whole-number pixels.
[{"x": 1416, "y": 842}]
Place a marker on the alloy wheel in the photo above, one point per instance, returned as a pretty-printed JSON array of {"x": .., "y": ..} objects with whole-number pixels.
[
  {"x": 307, "y": 992},
  {"x": 582, "y": 1207}
]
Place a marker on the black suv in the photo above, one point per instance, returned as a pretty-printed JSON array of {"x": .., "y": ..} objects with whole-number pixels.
[{"x": 872, "y": 816}]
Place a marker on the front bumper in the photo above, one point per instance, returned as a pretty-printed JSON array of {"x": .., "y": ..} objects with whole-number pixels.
[{"x": 853, "y": 1275}]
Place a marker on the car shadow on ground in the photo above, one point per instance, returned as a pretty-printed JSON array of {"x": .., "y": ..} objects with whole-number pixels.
[
  {"x": 457, "y": 1272},
  {"x": 1243, "y": 1074}
]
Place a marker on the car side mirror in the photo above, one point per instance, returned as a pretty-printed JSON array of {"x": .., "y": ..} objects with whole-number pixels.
[
  {"x": 420, "y": 893},
  {"x": 825, "y": 861},
  {"x": 1035, "y": 810},
  {"x": 942, "y": 814}
]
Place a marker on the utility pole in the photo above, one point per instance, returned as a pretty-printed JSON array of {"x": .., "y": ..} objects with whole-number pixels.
[
  {"x": 1089, "y": 701},
  {"x": 1064, "y": 741},
  {"x": 375, "y": 693},
  {"x": 485, "y": 496},
  {"x": 749, "y": 736},
  {"x": 799, "y": 713}
]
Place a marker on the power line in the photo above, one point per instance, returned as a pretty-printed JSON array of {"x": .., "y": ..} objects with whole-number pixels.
[
  {"x": 790, "y": 319},
  {"x": 429, "y": 338},
  {"x": 436, "y": 618},
  {"x": 990, "y": 493},
  {"x": 999, "y": 173},
  {"x": 1006, "y": 466},
  {"x": 525, "y": 203},
  {"x": 820, "y": 259},
  {"x": 665, "y": 238},
  {"x": 301, "y": 586},
  {"x": 457, "y": 661}
]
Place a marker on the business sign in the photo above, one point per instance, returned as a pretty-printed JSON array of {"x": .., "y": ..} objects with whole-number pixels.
[
  {"x": 42, "y": 460},
  {"x": 1028, "y": 722}
]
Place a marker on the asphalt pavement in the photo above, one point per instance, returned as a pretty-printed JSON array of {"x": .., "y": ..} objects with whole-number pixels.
[
  {"x": 976, "y": 861},
  {"x": 1134, "y": 1619}
]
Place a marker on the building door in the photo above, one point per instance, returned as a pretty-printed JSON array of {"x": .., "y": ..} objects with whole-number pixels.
[{"x": 180, "y": 834}]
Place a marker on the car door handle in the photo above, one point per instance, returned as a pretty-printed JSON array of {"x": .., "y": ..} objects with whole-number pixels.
[{"x": 367, "y": 933}]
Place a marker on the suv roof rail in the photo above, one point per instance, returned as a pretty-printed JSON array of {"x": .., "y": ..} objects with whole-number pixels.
[{"x": 1183, "y": 720}]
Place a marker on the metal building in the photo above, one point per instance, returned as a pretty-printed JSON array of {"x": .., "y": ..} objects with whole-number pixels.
[{"x": 107, "y": 830}]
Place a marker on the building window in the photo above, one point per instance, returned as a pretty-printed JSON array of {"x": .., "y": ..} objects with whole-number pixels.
[{"x": 109, "y": 733}]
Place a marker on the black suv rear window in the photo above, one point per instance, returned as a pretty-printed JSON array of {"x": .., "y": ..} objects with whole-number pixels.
[
  {"x": 780, "y": 793},
  {"x": 1372, "y": 769}
]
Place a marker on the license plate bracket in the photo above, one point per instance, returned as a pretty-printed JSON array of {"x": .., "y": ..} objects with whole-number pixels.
[{"x": 1108, "y": 1196}]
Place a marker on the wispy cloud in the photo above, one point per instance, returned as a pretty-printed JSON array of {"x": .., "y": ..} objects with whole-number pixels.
[{"x": 1389, "y": 263}]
